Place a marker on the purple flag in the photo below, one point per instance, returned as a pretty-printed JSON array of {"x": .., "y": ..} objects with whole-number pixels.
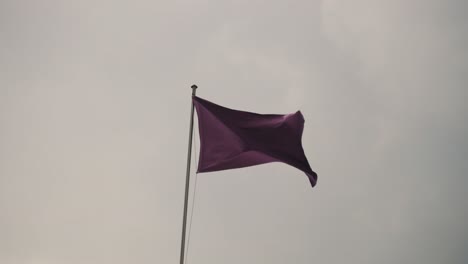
[{"x": 232, "y": 139}]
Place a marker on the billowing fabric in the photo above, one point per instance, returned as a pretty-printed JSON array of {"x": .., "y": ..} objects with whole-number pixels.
[{"x": 232, "y": 139}]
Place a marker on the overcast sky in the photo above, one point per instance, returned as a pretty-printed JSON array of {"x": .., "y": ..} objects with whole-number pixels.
[{"x": 94, "y": 119}]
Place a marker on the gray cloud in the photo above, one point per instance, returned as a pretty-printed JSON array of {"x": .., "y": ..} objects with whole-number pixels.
[{"x": 94, "y": 105}]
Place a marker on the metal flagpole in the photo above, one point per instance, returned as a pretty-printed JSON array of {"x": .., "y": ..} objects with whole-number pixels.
[{"x": 187, "y": 179}]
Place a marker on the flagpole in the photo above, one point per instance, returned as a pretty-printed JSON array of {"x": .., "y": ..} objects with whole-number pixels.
[{"x": 187, "y": 179}]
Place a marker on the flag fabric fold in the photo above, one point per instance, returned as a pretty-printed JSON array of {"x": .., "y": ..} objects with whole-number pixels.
[{"x": 232, "y": 139}]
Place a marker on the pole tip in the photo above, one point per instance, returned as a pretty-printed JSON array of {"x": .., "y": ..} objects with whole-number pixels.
[{"x": 194, "y": 86}]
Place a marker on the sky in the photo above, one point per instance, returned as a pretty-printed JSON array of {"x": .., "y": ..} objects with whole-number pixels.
[{"x": 94, "y": 121}]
